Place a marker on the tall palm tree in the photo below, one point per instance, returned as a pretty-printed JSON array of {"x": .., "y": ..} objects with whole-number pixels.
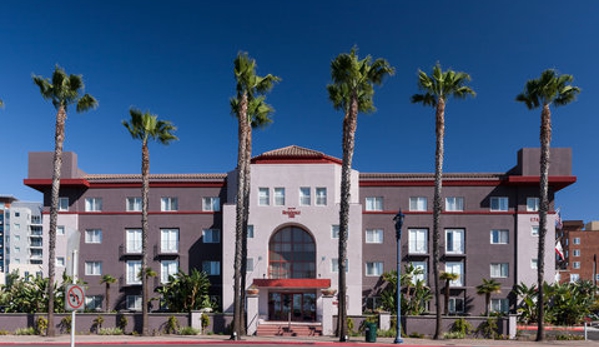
[
  {"x": 107, "y": 280},
  {"x": 437, "y": 89},
  {"x": 487, "y": 288},
  {"x": 549, "y": 89},
  {"x": 145, "y": 127},
  {"x": 352, "y": 92},
  {"x": 251, "y": 111},
  {"x": 448, "y": 277},
  {"x": 63, "y": 90}
]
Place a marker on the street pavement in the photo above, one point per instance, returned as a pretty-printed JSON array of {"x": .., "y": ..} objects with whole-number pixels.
[{"x": 8, "y": 340}]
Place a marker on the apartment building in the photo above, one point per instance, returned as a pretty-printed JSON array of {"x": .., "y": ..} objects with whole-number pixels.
[
  {"x": 580, "y": 243},
  {"x": 489, "y": 229},
  {"x": 21, "y": 238}
]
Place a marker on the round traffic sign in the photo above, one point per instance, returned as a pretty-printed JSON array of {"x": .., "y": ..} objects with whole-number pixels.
[{"x": 75, "y": 297}]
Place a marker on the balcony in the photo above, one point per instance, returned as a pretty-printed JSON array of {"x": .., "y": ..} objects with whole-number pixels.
[
  {"x": 166, "y": 250},
  {"x": 130, "y": 251}
]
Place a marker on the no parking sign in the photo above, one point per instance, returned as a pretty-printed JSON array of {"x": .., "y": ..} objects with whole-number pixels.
[{"x": 74, "y": 298}]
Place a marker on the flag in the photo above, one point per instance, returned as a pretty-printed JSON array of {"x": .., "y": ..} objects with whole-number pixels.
[
  {"x": 559, "y": 251},
  {"x": 558, "y": 220}
]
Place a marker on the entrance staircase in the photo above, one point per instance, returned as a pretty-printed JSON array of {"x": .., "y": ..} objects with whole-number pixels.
[{"x": 289, "y": 329}]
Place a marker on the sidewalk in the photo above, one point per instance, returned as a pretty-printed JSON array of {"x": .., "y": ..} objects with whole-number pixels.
[{"x": 8, "y": 340}]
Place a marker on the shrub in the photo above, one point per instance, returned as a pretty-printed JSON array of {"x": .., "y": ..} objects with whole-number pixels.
[
  {"x": 65, "y": 324},
  {"x": 172, "y": 325},
  {"x": 205, "y": 321},
  {"x": 488, "y": 329},
  {"x": 460, "y": 328},
  {"x": 41, "y": 325},
  {"x": 110, "y": 331},
  {"x": 25, "y": 331},
  {"x": 188, "y": 331},
  {"x": 122, "y": 324}
]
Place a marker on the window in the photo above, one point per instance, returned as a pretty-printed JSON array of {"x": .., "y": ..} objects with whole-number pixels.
[
  {"x": 374, "y": 236},
  {"x": 456, "y": 305},
  {"x": 263, "y": 196},
  {"x": 134, "y": 204},
  {"x": 374, "y": 204},
  {"x": 454, "y": 241},
  {"x": 500, "y": 305},
  {"x": 133, "y": 240},
  {"x": 335, "y": 265},
  {"x": 279, "y": 197},
  {"x": 534, "y": 230},
  {"x": 418, "y": 203},
  {"x": 169, "y": 240},
  {"x": 93, "y": 236},
  {"x": 576, "y": 265},
  {"x": 93, "y": 204},
  {"x": 212, "y": 268},
  {"x": 93, "y": 302},
  {"x": 168, "y": 268},
  {"x": 454, "y": 203},
  {"x": 499, "y": 203},
  {"x": 60, "y": 261},
  {"x": 60, "y": 230},
  {"x": 374, "y": 268},
  {"x": 455, "y": 268},
  {"x": 211, "y": 236},
  {"x": 133, "y": 271},
  {"x": 250, "y": 231},
  {"x": 335, "y": 231},
  {"x": 93, "y": 268},
  {"x": 576, "y": 252},
  {"x": 134, "y": 302},
  {"x": 211, "y": 204},
  {"x": 17, "y": 227},
  {"x": 63, "y": 204},
  {"x": 305, "y": 198},
  {"x": 249, "y": 265},
  {"x": 321, "y": 196},
  {"x": 576, "y": 241},
  {"x": 499, "y": 237},
  {"x": 418, "y": 241},
  {"x": 574, "y": 278},
  {"x": 532, "y": 204},
  {"x": 420, "y": 271},
  {"x": 17, "y": 249},
  {"x": 534, "y": 263},
  {"x": 169, "y": 204},
  {"x": 499, "y": 270}
]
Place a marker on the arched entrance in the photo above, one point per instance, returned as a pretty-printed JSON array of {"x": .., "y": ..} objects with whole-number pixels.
[{"x": 292, "y": 255}]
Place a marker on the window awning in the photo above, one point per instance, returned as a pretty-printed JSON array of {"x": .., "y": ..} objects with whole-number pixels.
[{"x": 292, "y": 283}]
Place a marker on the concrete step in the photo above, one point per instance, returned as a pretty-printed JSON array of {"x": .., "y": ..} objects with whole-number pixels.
[{"x": 284, "y": 329}]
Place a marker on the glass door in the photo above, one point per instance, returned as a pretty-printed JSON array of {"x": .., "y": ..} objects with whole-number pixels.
[{"x": 292, "y": 306}]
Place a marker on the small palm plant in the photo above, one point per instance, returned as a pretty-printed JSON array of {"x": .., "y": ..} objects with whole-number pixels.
[
  {"x": 448, "y": 277},
  {"x": 487, "y": 288}
]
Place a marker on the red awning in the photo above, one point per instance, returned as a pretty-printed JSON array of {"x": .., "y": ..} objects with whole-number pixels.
[{"x": 292, "y": 283}]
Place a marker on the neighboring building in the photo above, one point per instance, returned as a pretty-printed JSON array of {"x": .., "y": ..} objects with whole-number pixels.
[
  {"x": 21, "y": 238},
  {"x": 487, "y": 229},
  {"x": 580, "y": 244}
]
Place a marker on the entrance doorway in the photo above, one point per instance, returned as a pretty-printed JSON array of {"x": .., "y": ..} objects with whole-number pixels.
[{"x": 294, "y": 306}]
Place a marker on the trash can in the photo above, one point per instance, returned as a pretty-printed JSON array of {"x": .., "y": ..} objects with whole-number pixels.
[{"x": 370, "y": 332}]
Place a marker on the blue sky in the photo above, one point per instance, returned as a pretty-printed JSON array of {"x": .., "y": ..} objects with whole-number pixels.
[{"x": 175, "y": 59}]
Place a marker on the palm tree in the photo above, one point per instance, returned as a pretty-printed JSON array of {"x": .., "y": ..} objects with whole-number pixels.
[
  {"x": 63, "y": 90},
  {"x": 550, "y": 88},
  {"x": 251, "y": 111},
  {"x": 144, "y": 127},
  {"x": 448, "y": 277},
  {"x": 107, "y": 280},
  {"x": 487, "y": 288},
  {"x": 352, "y": 92},
  {"x": 437, "y": 89}
]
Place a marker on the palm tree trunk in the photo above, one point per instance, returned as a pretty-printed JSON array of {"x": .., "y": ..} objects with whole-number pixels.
[
  {"x": 440, "y": 134},
  {"x": 61, "y": 117},
  {"x": 107, "y": 297},
  {"x": 246, "y": 214},
  {"x": 544, "y": 208},
  {"x": 349, "y": 131},
  {"x": 239, "y": 217},
  {"x": 145, "y": 189}
]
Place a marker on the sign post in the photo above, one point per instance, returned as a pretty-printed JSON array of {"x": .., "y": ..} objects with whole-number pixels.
[{"x": 75, "y": 295}]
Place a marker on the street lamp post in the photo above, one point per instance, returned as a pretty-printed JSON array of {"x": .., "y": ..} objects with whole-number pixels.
[{"x": 398, "y": 219}]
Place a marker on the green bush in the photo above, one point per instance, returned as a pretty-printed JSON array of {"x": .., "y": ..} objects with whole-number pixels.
[
  {"x": 41, "y": 325},
  {"x": 172, "y": 325},
  {"x": 110, "y": 331},
  {"x": 122, "y": 324},
  {"x": 25, "y": 331},
  {"x": 188, "y": 331},
  {"x": 205, "y": 321}
]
